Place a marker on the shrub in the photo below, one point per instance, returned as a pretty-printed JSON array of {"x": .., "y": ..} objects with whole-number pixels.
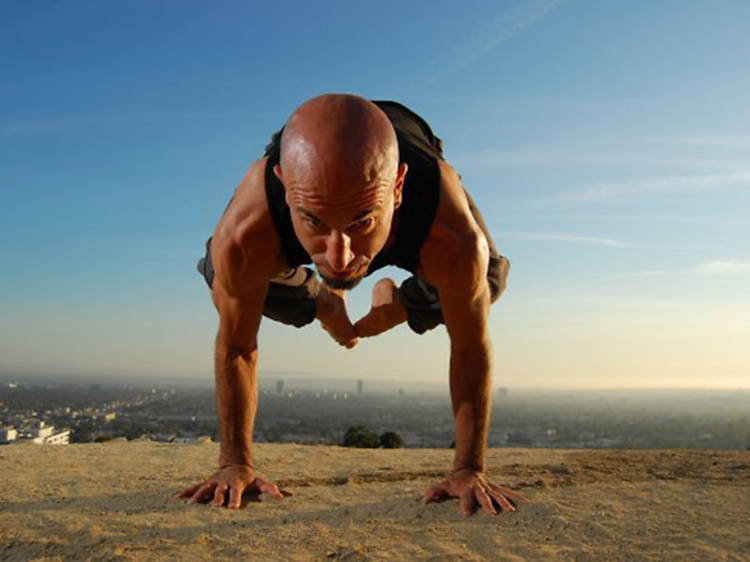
[
  {"x": 391, "y": 440},
  {"x": 361, "y": 437}
]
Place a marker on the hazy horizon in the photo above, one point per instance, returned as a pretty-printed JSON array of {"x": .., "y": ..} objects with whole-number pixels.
[{"x": 269, "y": 378}]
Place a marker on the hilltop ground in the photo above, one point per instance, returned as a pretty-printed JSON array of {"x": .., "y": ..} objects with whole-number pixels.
[{"x": 113, "y": 501}]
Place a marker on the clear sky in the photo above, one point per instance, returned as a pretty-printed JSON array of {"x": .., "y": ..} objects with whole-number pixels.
[{"x": 606, "y": 144}]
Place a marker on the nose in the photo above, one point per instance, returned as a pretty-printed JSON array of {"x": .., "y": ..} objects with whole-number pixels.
[{"x": 339, "y": 253}]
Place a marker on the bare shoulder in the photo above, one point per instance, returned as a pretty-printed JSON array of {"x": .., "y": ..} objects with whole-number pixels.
[
  {"x": 246, "y": 249},
  {"x": 455, "y": 253}
]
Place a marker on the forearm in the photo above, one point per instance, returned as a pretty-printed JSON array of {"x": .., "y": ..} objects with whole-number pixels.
[
  {"x": 470, "y": 384},
  {"x": 237, "y": 403}
]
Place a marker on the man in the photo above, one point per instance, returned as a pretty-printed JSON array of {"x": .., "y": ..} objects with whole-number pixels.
[{"x": 351, "y": 186}]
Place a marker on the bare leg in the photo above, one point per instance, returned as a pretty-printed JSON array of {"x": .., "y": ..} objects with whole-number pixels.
[
  {"x": 331, "y": 311},
  {"x": 386, "y": 311}
]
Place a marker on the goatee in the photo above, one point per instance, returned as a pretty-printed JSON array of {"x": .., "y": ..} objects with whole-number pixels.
[{"x": 345, "y": 284}]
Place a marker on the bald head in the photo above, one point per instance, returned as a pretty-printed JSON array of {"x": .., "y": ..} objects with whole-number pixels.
[
  {"x": 343, "y": 182},
  {"x": 335, "y": 144}
]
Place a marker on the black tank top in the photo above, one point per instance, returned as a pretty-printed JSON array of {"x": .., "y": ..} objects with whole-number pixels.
[{"x": 420, "y": 149}]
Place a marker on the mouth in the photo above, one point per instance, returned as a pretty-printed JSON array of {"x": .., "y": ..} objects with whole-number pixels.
[
  {"x": 351, "y": 274},
  {"x": 338, "y": 283},
  {"x": 343, "y": 280}
]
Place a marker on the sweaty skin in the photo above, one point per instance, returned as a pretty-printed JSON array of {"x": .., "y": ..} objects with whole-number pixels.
[{"x": 343, "y": 181}]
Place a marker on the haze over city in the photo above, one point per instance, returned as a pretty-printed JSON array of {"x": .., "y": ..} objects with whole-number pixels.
[{"x": 607, "y": 150}]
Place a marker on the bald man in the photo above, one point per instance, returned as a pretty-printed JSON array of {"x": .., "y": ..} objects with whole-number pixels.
[{"x": 350, "y": 186}]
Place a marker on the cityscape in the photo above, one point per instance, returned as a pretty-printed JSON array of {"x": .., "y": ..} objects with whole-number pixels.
[{"x": 320, "y": 411}]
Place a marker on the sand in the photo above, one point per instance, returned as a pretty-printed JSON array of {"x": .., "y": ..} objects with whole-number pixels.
[{"x": 113, "y": 501}]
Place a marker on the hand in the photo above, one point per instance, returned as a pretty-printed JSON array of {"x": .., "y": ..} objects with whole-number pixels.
[
  {"x": 331, "y": 311},
  {"x": 386, "y": 311},
  {"x": 473, "y": 488},
  {"x": 232, "y": 480}
]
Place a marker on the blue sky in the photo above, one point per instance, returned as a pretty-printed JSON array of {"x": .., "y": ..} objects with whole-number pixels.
[{"x": 606, "y": 144}]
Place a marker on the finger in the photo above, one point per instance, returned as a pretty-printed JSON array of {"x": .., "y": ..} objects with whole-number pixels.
[
  {"x": 235, "y": 496},
  {"x": 187, "y": 492},
  {"x": 219, "y": 494},
  {"x": 434, "y": 493},
  {"x": 507, "y": 492},
  {"x": 267, "y": 487},
  {"x": 484, "y": 500},
  {"x": 505, "y": 497},
  {"x": 502, "y": 501},
  {"x": 468, "y": 502},
  {"x": 202, "y": 491}
]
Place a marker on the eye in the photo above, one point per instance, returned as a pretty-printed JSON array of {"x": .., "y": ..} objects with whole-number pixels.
[
  {"x": 364, "y": 224},
  {"x": 311, "y": 221}
]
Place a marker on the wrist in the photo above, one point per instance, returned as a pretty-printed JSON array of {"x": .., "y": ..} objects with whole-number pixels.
[
  {"x": 235, "y": 459},
  {"x": 236, "y": 466},
  {"x": 468, "y": 459},
  {"x": 474, "y": 467}
]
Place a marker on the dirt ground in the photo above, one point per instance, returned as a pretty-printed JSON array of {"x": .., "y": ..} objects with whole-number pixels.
[{"x": 113, "y": 501}]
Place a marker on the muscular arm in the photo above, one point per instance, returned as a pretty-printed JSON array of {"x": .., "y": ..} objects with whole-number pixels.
[
  {"x": 236, "y": 363},
  {"x": 245, "y": 258},
  {"x": 455, "y": 260},
  {"x": 470, "y": 383},
  {"x": 243, "y": 267},
  {"x": 465, "y": 304}
]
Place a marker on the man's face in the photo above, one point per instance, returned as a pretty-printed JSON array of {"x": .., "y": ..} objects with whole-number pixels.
[{"x": 343, "y": 234}]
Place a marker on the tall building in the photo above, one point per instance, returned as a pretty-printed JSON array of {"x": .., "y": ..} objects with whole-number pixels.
[
  {"x": 279, "y": 386},
  {"x": 360, "y": 386}
]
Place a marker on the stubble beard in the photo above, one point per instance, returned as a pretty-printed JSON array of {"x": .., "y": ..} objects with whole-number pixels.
[{"x": 344, "y": 284}]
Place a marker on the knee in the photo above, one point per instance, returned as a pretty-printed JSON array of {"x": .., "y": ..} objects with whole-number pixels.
[
  {"x": 497, "y": 276},
  {"x": 422, "y": 304},
  {"x": 291, "y": 297}
]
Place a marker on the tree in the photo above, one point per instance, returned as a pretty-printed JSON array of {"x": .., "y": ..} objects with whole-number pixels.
[
  {"x": 391, "y": 440},
  {"x": 361, "y": 437}
]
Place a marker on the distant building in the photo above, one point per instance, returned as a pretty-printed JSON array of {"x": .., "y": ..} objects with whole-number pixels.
[
  {"x": 59, "y": 438},
  {"x": 360, "y": 386},
  {"x": 502, "y": 391},
  {"x": 111, "y": 416},
  {"x": 279, "y": 386},
  {"x": 8, "y": 434},
  {"x": 43, "y": 434}
]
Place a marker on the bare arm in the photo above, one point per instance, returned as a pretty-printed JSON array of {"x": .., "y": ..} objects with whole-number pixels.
[
  {"x": 455, "y": 260},
  {"x": 465, "y": 301},
  {"x": 236, "y": 363},
  {"x": 470, "y": 364},
  {"x": 243, "y": 267}
]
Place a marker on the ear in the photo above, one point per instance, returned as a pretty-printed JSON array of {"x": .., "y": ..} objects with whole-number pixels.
[
  {"x": 398, "y": 188},
  {"x": 279, "y": 175}
]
